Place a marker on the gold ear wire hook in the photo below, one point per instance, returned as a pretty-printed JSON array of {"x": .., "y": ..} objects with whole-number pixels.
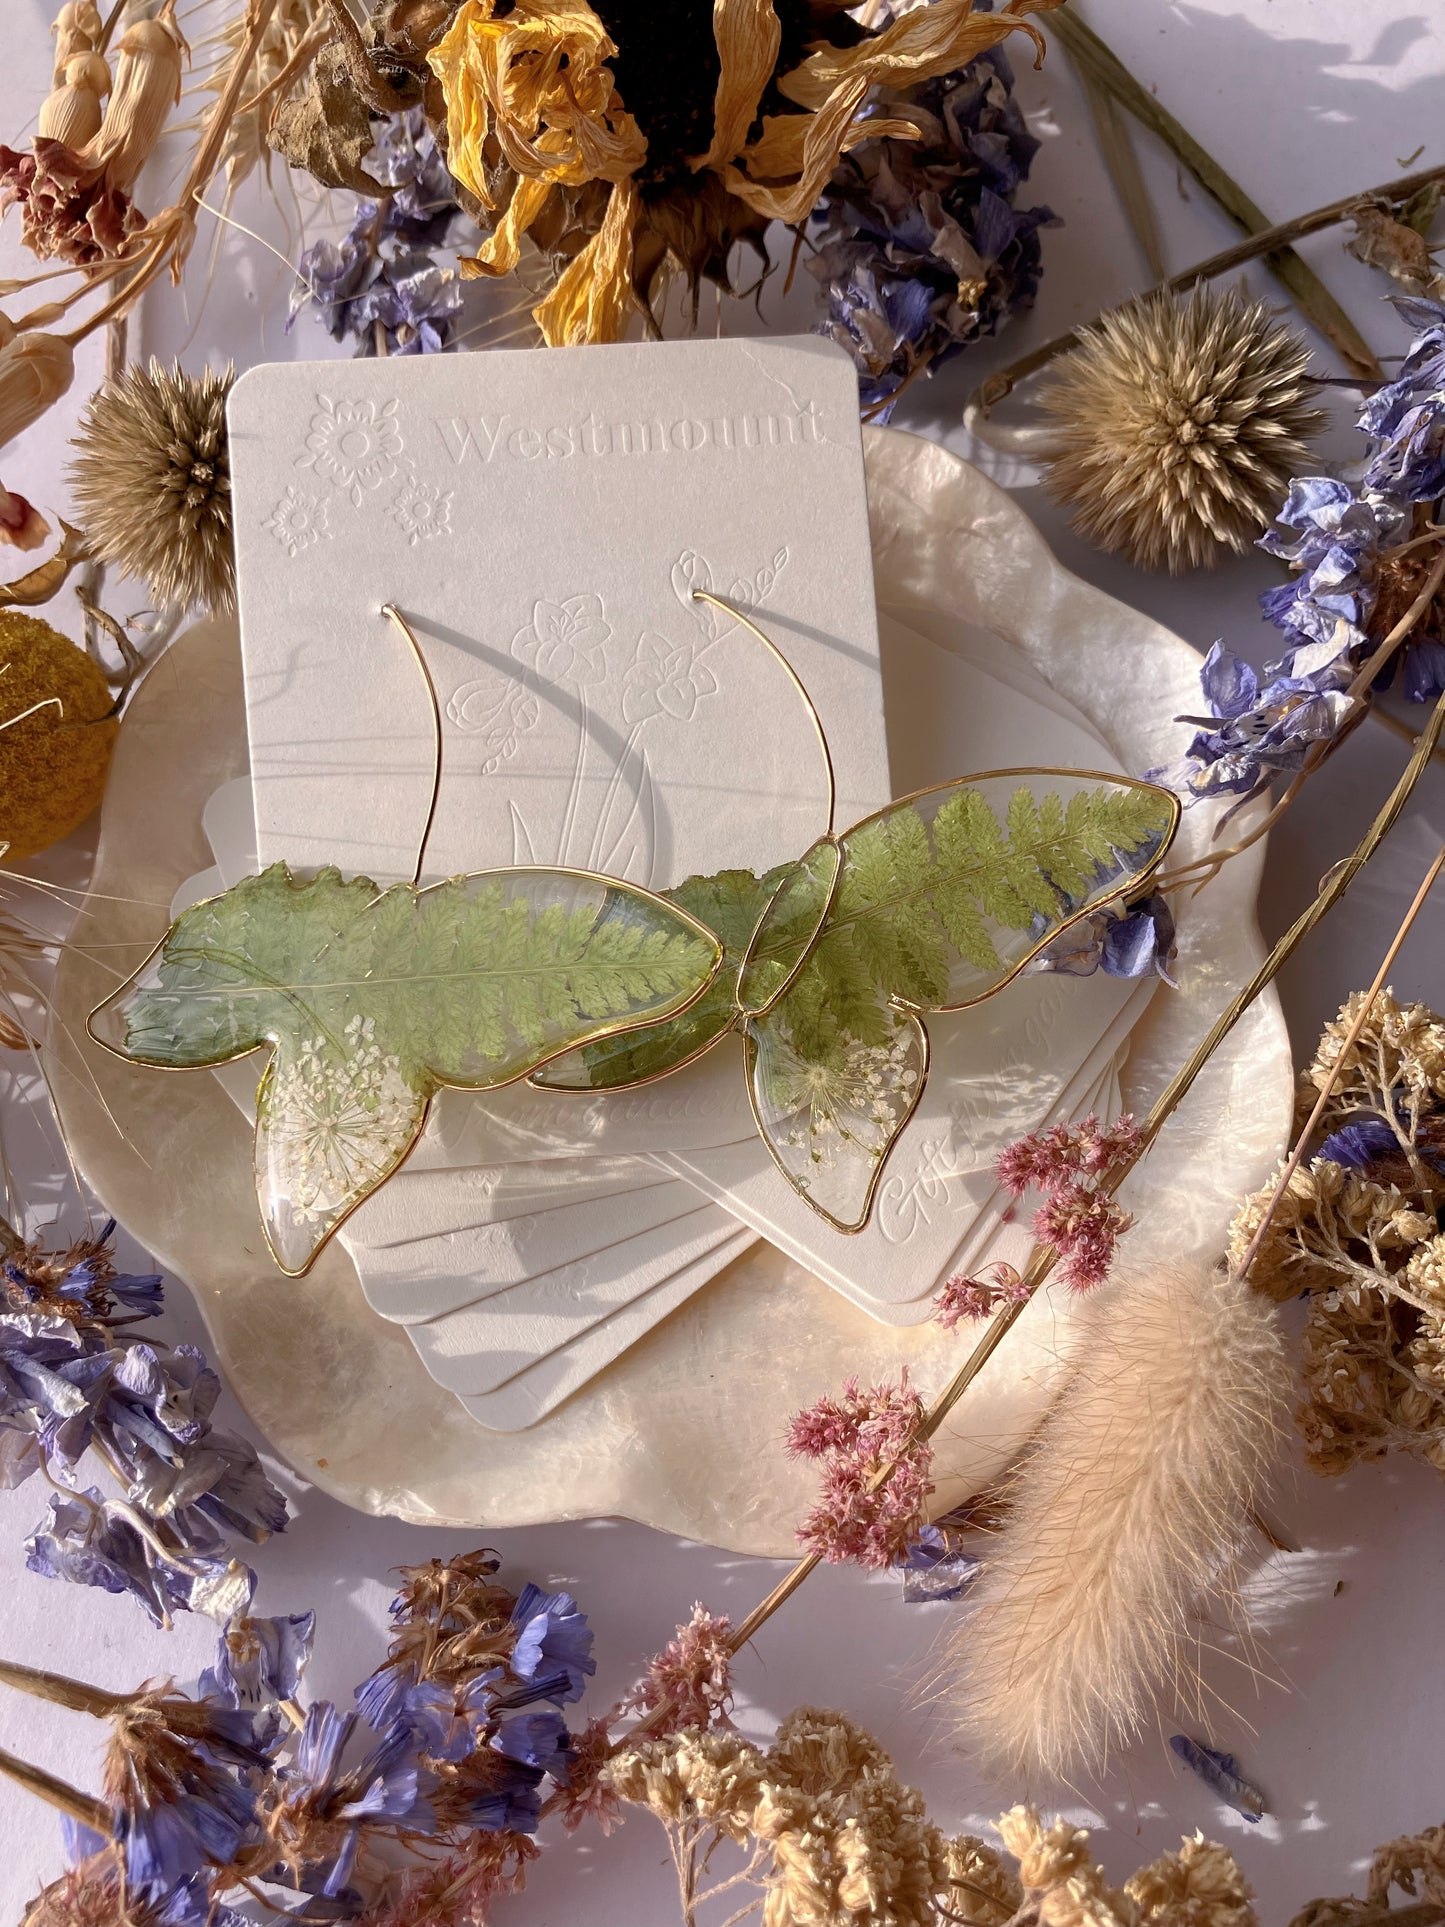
[
  {"x": 720, "y": 602},
  {"x": 390, "y": 610}
]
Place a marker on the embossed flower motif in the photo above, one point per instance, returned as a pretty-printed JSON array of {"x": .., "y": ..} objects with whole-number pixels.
[
  {"x": 566, "y": 641},
  {"x": 297, "y": 521},
  {"x": 353, "y": 445},
  {"x": 665, "y": 678},
  {"x": 422, "y": 510},
  {"x": 497, "y": 709}
]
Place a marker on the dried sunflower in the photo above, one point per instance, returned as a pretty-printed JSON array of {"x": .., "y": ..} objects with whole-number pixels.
[{"x": 638, "y": 137}]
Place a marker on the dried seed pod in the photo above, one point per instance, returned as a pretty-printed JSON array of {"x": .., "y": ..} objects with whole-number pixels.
[
  {"x": 73, "y": 112},
  {"x": 35, "y": 371},
  {"x": 147, "y": 87},
  {"x": 78, "y": 29}
]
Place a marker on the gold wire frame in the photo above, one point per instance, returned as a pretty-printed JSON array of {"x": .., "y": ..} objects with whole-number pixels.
[
  {"x": 860, "y": 1223},
  {"x": 721, "y": 602},
  {"x": 599, "y": 1034},
  {"x": 742, "y": 1019},
  {"x": 828, "y": 842}
]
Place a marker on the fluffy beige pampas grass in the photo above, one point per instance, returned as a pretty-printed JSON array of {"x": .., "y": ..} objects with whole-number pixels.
[{"x": 1128, "y": 1511}]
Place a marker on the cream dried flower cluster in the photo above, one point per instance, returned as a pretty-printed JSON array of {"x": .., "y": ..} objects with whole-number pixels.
[
  {"x": 1357, "y": 1230},
  {"x": 833, "y": 1839},
  {"x": 1414, "y": 1865},
  {"x": 1063, "y": 1886}
]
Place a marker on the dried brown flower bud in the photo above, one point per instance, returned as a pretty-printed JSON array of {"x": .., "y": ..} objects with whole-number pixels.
[
  {"x": 78, "y": 30},
  {"x": 35, "y": 371},
  {"x": 147, "y": 87}
]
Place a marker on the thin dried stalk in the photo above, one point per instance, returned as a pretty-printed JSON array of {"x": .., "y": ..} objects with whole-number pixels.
[
  {"x": 1337, "y": 1069},
  {"x": 1116, "y": 147},
  {"x": 57, "y": 1793},
  {"x": 1308, "y": 292},
  {"x": 1006, "y": 380}
]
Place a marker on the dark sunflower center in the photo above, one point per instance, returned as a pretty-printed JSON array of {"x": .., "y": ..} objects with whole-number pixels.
[{"x": 666, "y": 71}]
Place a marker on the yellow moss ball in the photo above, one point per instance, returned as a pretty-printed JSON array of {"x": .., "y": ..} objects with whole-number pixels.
[{"x": 52, "y": 767}]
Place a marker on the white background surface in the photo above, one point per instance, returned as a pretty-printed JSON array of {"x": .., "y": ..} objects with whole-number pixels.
[{"x": 1337, "y": 1715}]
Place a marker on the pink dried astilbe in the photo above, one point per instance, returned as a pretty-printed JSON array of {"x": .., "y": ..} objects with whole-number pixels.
[
  {"x": 856, "y": 1437},
  {"x": 1083, "y": 1227},
  {"x": 964, "y": 1297},
  {"x": 587, "y": 1795},
  {"x": 692, "y": 1676},
  {"x": 1065, "y": 1163},
  {"x": 1049, "y": 1160},
  {"x": 458, "y": 1891}
]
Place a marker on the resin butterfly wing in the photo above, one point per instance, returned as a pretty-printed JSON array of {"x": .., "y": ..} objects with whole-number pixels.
[
  {"x": 931, "y": 905},
  {"x": 371, "y": 1000}
]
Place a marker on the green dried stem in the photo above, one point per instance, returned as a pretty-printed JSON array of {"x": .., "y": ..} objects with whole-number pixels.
[
  {"x": 1007, "y": 379},
  {"x": 1309, "y": 294},
  {"x": 56, "y": 1793}
]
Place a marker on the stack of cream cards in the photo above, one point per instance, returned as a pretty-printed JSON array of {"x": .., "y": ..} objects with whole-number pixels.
[{"x": 542, "y": 520}]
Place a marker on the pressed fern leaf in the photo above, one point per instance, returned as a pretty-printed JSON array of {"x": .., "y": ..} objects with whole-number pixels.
[
  {"x": 373, "y": 999},
  {"x": 731, "y": 904},
  {"x": 942, "y": 900},
  {"x": 944, "y": 897}
]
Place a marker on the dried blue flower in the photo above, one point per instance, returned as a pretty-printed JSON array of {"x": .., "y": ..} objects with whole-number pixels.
[
  {"x": 180, "y": 1781},
  {"x": 1361, "y": 1144},
  {"x": 1332, "y": 542},
  {"x": 70, "y": 1378},
  {"x": 1407, "y": 416},
  {"x": 1136, "y": 940},
  {"x": 1255, "y": 733},
  {"x": 537, "y": 1739},
  {"x": 1221, "y": 1772},
  {"x": 920, "y": 248},
  {"x": 259, "y": 1662},
  {"x": 475, "y": 1682},
  {"x": 554, "y": 1645},
  {"x": 936, "y": 1568},
  {"x": 319, "y": 1805},
  {"x": 380, "y": 279}
]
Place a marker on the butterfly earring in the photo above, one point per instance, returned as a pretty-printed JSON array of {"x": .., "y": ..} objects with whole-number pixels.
[
  {"x": 370, "y": 1000},
  {"x": 831, "y": 963}
]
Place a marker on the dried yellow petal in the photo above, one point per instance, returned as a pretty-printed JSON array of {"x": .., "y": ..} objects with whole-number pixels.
[
  {"x": 502, "y": 249},
  {"x": 931, "y": 40},
  {"x": 748, "y": 35},
  {"x": 784, "y": 171},
  {"x": 593, "y": 296}
]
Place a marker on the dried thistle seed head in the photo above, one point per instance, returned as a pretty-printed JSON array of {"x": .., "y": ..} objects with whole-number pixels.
[
  {"x": 153, "y": 483},
  {"x": 1179, "y": 423}
]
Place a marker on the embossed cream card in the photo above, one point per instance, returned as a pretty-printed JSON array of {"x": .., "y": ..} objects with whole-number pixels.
[{"x": 542, "y": 520}]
